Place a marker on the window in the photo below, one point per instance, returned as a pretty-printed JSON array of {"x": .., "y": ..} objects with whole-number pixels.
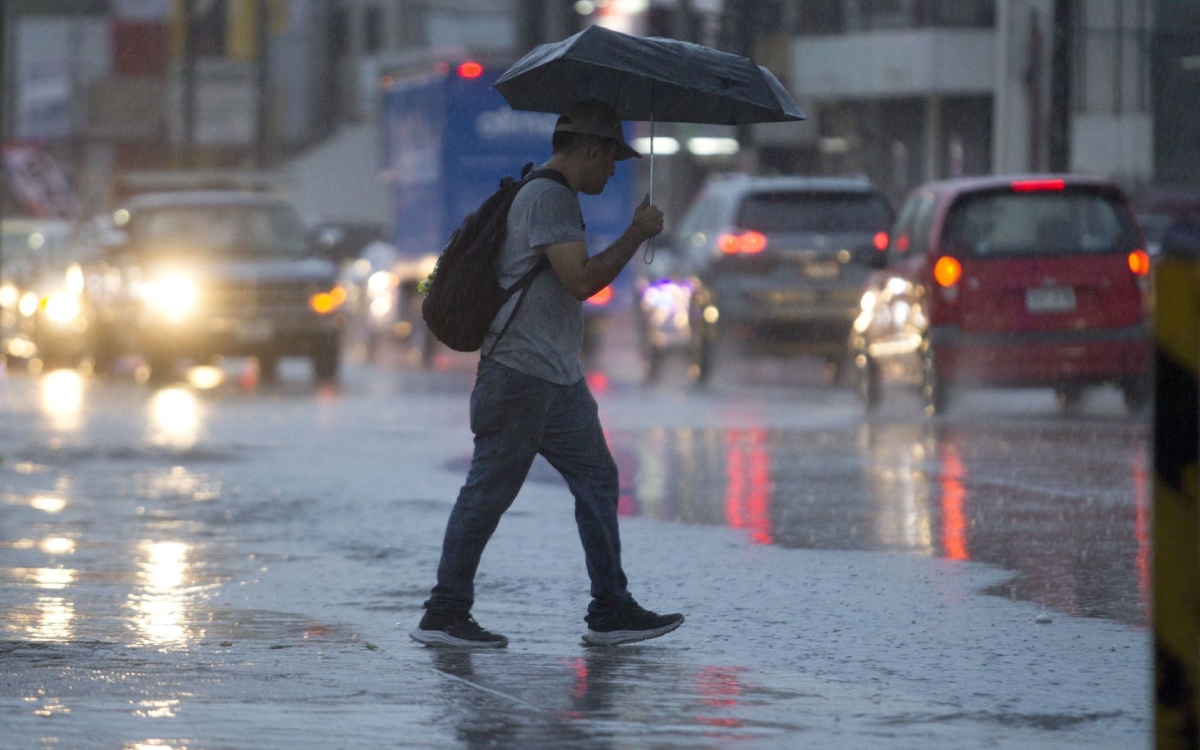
[
  {"x": 252, "y": 230},
  {"x": 1004, "y": 223},
  {"x": 815, "y": 213},
  {"x": 911, "y": 231}
]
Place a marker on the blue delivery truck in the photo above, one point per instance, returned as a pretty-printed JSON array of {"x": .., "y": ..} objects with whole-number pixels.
[{"x": 447, "y": 139}]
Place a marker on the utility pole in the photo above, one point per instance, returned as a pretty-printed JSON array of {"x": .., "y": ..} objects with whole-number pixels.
[
  {"x": 4, "y": 93},
  {"x": 1060, "y": 85},
  {"x": 262, "y": 123},
  {"x": 188, "y": 74}
]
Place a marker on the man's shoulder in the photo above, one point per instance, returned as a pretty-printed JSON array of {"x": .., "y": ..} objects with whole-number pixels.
[{"x": 548, "y": 186}]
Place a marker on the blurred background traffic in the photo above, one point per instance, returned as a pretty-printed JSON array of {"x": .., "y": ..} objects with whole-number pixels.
[{"x": 977, "y": 197}]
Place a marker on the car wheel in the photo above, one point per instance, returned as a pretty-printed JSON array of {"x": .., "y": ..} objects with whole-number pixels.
[
  {"x": 1069, "y": 398},
  {"x": 870, "y": 390},
  {"x": 652, "y": 363},
  {"x": 429, "y": 347},
  {"x": 834, "y": 365},
  {"x": 704, "y": 347},
  {"x": 268, "y": 367},
  {"x": 327, "y": 359},
  {"x": 162, "y": 367},
  {"x": 1136, "y": 393},
  {"x": 934, "y": 390},
  {"x": 104, "y": 354}
]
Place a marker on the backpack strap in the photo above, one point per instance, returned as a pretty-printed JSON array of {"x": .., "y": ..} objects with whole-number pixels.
[
  {"x": 521, "y": 286},
  {"x": 528, "y": 174}
]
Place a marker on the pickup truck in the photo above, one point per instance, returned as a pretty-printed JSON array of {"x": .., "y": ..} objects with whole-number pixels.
[{"x": 203, "y": 274}]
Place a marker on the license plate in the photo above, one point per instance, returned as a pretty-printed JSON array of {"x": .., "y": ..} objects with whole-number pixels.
[
  {"x": 1052, "y": 299},
  {"x": 252, "y": 331},
  {"x": 822, "y": 270}
]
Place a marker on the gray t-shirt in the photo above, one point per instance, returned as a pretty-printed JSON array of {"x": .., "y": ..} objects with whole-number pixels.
[{"x": 546, "y": 338}]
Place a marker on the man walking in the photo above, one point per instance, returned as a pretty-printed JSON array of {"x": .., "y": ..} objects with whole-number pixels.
[{"x": 530, "y": 395}]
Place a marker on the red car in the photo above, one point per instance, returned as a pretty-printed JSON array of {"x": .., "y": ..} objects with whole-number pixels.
[{"x": 1008, "y": 281}]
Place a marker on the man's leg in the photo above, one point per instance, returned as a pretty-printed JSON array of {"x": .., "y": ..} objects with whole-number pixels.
[
  {"x": 508, "y": 411},
  {"x": 573, "y": 442}
]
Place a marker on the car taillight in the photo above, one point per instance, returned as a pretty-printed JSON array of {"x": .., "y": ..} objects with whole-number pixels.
[
  {"x": 470, "y": 70},
  {"x": 881, "y": 241},
  {"x": 1034, "y": 186},
  {"x": 746, "y": 243},
  {"x": 947, "y": 271},
  {"x": 602, "y": 297},
  {"x": 1139, "y": 262}
]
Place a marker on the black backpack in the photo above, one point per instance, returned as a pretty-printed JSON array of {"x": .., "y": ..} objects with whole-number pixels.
[{"x": 464, "y": 292}]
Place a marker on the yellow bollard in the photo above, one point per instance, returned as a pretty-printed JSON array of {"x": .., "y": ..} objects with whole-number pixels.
[{"x": 1176, "y": 517}]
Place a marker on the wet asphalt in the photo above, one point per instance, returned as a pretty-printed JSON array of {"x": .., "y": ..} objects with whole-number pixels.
[{"x": 238, "y": 565}]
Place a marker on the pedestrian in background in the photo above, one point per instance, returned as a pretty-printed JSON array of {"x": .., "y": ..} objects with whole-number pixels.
[{"x": 531, "y": 397}]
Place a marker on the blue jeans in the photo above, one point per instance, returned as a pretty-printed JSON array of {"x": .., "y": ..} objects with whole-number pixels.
[{"x": 515, "y": 417}]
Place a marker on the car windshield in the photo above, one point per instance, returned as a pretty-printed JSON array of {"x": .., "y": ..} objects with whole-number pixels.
[
  {"x": 820, "y": 213},
  {"x": 1007, "y": 223},
  {"x": 252, "y": 230}
]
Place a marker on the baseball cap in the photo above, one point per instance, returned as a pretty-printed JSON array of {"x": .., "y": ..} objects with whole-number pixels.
[{"x": 594, "y": 117}]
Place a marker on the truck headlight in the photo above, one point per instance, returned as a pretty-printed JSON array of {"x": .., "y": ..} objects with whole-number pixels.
[
  {"x": 61, "y": 308},
  {"x": 174, "y": 297}
]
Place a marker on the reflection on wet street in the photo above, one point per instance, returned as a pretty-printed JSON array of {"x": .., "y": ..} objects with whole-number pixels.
[
  {"x": 1063, "y": 504},
  {"x": 215, "y": 564}
]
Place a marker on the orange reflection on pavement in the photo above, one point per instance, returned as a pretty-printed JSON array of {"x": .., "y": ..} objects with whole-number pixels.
[
  {"x": 954, "y": 495},
  {"x": 748, "y": 483},
  {"x": 1141, "y": 530}
]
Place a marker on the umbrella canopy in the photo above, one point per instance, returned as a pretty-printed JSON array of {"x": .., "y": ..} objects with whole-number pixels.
[{"x": 642, "y": 78}]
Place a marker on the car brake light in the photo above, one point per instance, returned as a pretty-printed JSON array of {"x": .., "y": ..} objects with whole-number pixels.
[
  {"x": 747, "y": 243},
  {"x": 602, "y": 297},
  {"x": 754, "y": 242},
  {"x": 881, "y": 241},
  {"x": 947, "y": 271},
  {"x": 1139, "y": 262},
  {"x": 470, "y": 70},
  {"x": 1031, "y": 186}
]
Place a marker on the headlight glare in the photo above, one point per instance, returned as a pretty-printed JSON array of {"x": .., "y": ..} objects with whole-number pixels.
[
  {"x": 61, "y": 308},
  {"x": 173, "y": 296}
]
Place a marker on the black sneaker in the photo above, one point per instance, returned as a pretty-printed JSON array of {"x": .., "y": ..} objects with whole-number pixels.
[
  {"x": 455, "y": 630},
  {"x": 629, "y": 624}
]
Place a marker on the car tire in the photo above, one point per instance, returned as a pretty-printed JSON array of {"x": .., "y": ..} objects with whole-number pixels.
[
  {"x": 162, "y": 367},
  {"x": 703, "y": 359},
  {"x": 1070, "y": 397},
  {"x": 268, "y": 368},
  {"x": 104, "y": 354},
  {"x": 327, "y": 359},
  {"x": 934, "y": 390},
  {"x": 835, "y": 366},
  {"x": 1136, "y": 393},
  {"x": 429, "y": 347},
  {"x": 870, "y": 389}
]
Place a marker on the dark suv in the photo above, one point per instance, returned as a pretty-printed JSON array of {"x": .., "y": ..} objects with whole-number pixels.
[
  {"x": 210, "y": 273},
  {"x": 774, "y": 264}
]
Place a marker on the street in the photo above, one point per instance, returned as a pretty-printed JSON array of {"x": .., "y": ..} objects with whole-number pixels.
[{"x": 240, "y": 566}]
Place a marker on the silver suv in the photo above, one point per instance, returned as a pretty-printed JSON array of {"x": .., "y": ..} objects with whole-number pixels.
[{"x": 775, "y": 265}]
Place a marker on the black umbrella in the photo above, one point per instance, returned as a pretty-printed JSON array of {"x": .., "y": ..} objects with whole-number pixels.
[{"x": 659, "y": 80}]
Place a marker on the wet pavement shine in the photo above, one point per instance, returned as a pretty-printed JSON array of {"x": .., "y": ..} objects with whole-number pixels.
[{"x": 239, "y": 566}]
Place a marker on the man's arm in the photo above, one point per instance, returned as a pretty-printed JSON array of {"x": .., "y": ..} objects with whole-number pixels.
[{"x": 584, "y": 276}]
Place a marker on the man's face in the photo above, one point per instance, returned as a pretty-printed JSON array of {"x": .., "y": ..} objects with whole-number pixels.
[{"x": 600, "y": 166}]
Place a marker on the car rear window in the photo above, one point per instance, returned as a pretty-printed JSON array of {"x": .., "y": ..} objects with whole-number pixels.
[
  {"x": 1070, "y": 221},
  {"x": 821, "y": 213},
  {"x": 258, "y": 230}
]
